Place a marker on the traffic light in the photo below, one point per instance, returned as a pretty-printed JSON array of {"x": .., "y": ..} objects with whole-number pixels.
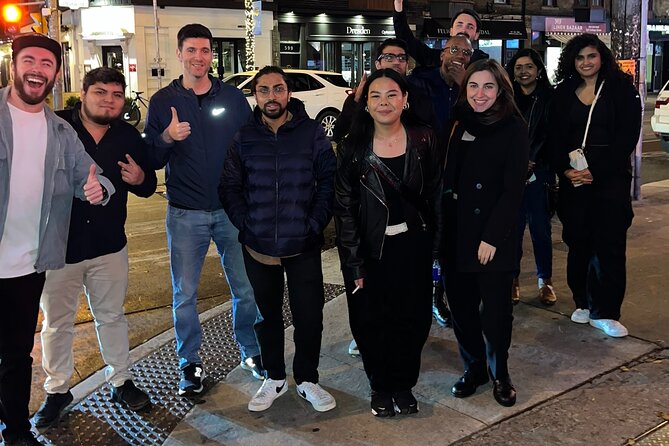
[{"x": 12, "y": 17}]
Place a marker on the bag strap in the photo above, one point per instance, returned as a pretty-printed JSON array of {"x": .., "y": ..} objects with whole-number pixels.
[
  {"x": 592, "y": 107},
  {"x": 391, "y": 179},
  {"x": 450, "y": 137}
]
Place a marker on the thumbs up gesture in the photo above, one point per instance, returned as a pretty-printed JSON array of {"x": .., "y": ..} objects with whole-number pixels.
[
  {"x": 177, "y": 130},
  {"x": 92, "y": 188},
  {"x": 131, "y": 173}
]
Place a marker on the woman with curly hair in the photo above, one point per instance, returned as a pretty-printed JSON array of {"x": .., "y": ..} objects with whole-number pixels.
[
  {"x": 596, "y": 109},
  {"x": 532, "y": 93}
]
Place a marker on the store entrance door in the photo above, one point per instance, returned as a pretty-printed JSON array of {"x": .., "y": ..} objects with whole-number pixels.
[
  {"x": 228, "y": 57},
  {"x": 356, "y": 59}
]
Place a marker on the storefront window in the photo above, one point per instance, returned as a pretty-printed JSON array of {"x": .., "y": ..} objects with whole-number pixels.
[{"x": 493, "y": 48}]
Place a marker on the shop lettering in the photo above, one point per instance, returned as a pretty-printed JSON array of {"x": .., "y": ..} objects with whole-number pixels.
[{"x": 358, "y": 31}]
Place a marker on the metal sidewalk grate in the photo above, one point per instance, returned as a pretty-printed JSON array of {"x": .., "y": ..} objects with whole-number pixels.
[
  {"x": 659, "y": 437},
  {"x": 97, "y": 420}
]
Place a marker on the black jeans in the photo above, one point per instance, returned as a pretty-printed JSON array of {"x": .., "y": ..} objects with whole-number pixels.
[
  {"x": 391, "y": 315},
  {"x": 19, "y": 304},
  {"x": 595, "y": 230},
  {"x": 306, "y": 297},
  {"x": 471, "y": 321}
]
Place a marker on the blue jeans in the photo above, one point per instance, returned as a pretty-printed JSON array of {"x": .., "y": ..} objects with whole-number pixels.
[
  {"x": 189, "y": 234},
  {"x": 534, "y": 212}
]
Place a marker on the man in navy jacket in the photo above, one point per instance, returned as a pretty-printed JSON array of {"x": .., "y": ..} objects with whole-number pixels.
[
  {"x": 190, "y": 124},
  {"x": 277, "y": 187}
]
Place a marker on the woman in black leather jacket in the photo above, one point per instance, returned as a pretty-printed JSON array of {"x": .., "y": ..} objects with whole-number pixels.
[
  {"x": 532, "y": 92},
  {"x": 385, "y": 196}
]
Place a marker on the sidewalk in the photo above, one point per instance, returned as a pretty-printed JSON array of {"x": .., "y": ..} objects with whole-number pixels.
[{"x": 575, "y": 385}]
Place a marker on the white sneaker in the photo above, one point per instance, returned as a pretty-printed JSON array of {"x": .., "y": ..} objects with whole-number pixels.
[
  {"x": 317, "y": 396},
  {"x": 353, "y": 348},
  {"x": 269, "y": 391},
  {"x": 611, "y": 327},
  {"x": 580, "y": 316}
]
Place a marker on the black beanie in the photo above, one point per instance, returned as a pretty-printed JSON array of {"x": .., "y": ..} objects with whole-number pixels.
[{"x": 39, "y": 40}]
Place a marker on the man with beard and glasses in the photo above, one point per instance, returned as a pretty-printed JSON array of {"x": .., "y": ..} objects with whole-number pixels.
[
  {"x": 277, "y": 187},
  {"x": 43, "y": 166},
  {"x": 190, "y": 125},
  {"x": 97, "y": 251}
]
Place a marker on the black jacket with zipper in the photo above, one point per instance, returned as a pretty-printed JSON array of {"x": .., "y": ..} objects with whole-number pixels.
[{"x": 360, "y": 210}]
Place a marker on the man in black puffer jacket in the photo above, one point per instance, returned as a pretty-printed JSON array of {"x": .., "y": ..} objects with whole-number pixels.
[{"x": 277, "y": 188}]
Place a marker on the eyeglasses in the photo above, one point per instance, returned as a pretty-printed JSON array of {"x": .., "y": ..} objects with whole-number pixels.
[
  {"x": 456, "y": 49},
  {"x": 279, "y": 90},
  {"x": 391, "y": 57}
]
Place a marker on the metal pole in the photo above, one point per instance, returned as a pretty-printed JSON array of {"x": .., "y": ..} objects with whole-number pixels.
[
  {"x": 628, "y": 41},
  {"x": 54, "y": 33},
  {"x": 156, "y": 25}
]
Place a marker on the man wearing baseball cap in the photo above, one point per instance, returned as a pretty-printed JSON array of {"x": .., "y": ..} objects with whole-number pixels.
[{"x": 43, "y": 165}]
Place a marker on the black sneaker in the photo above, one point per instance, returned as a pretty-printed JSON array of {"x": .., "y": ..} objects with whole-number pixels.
[
  {"x": 51, "y": 409},
  {"x": 191, "y": 380},
  {"x": 405, "y": 402},
  {"x": 27, "y": 439},
  {"x": 129, "y": 395},
  {"x": 382, "y": 404},
  {"x": 254, "y": 365}
]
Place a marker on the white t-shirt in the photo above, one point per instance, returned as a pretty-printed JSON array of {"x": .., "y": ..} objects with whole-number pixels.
[{"x": 20, "y": 240}]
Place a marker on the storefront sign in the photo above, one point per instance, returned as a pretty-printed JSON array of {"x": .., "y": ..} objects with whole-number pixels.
[
  {"x": 502, "y": 29},
  {"x": 73, "y": 4},
  {"x": 569, "y": 25},
  {"x": 289, "y": 48},
  {"x": 345, "y": 31}
]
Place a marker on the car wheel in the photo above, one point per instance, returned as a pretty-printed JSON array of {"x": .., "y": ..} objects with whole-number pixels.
[{"x": 328, "y": 119}]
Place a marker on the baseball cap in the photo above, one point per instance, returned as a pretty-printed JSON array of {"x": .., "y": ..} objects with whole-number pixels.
[{"x": 39, "y": 40}]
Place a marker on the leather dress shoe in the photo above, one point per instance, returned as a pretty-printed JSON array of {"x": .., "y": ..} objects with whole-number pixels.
[
  {"x": 504, "y": 392},
  {"x": 468, "y": 383},
  {"x": 546, "y": 293}
]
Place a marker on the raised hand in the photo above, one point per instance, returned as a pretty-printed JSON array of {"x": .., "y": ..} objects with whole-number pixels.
[
  {"x": 177, "y": 130},
  {"x": 92, "y": 188},
  {"x": 398, "y": 5},
  {"x": 131, "y": 173},
  {"x": 360, "y": 87}
]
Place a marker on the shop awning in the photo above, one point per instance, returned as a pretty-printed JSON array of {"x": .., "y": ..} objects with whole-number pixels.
[
  {"x": 503, "y": 29},
  {"x": 490, "y": 29},
  {"x": 566, "y": 37}
]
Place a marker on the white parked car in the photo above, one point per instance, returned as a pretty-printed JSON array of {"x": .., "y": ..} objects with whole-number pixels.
[
  {"x": 322, "y": 92},
  {"x": 659, "y": 122}
]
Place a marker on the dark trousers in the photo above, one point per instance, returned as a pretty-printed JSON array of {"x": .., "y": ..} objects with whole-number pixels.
[
  {"x": 306, "y": 296},
  {"x": 596, "y": 262},
  {"x": 472, "y": 321},
  {"x": 19, "y": 301},
  {"x": 391, "y": 315},
  {"x": 534, "y": 213}
]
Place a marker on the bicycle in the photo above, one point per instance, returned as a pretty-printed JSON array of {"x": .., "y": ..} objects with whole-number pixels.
[{"x": 133, "y": 114}]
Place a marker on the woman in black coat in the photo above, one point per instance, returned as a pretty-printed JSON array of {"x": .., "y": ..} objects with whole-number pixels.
[
  {"x": 594, "y": 203},
  {"x": 385, "y": 236},
  {"x": 532, "y": 93},
  {"x": 486, "y": 167}
]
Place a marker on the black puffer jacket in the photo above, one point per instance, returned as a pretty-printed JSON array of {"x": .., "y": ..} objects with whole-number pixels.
[
  {"x": 277, "y": 188},
  {"x": 360, "y": 210}
]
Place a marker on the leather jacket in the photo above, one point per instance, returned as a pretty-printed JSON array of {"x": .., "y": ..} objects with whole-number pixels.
[{"x": 360, "y": 210}]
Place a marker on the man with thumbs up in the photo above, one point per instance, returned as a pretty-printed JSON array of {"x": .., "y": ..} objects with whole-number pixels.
[
  {"x": 97, "y": 252},
  {"x": 43, "y": 166},
  {"x": 190, "y": 125}
]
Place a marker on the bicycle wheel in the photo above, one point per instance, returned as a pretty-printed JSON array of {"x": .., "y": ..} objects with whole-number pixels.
[{"x": 132, "y": 115}]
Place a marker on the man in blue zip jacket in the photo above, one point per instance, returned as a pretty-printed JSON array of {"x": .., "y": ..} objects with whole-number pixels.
[
  {"x": 277, "y": 187},
  {"x": 190, "y": 125}
]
